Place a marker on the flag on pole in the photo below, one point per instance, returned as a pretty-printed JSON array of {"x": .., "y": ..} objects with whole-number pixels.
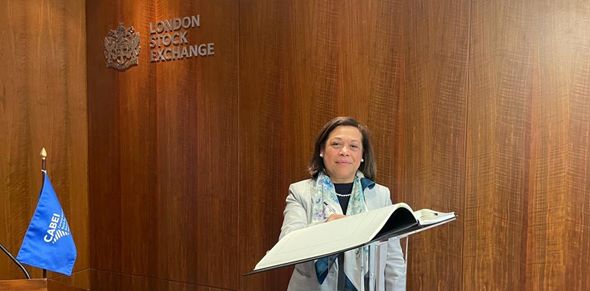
[{"x": 48, "y": 243}]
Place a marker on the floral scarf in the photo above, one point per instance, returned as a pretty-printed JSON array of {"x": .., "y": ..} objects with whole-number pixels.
[{"x": 325, "y": 201}]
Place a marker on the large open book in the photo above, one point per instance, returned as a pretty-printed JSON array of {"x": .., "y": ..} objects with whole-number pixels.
[{"x": 340, "y": 235}]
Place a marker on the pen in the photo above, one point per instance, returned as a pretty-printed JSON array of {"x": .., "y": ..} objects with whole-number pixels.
[{"x": 330, "y": 208}]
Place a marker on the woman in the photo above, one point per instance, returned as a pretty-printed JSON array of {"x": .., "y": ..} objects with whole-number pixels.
[{"x": 342, "y": 170}]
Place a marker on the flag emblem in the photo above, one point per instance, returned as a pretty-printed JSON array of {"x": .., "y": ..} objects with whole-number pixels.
[{"x": 58, "y": 228}]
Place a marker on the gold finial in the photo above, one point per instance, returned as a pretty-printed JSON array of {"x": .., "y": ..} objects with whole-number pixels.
[{"x": 43, "y": 154}]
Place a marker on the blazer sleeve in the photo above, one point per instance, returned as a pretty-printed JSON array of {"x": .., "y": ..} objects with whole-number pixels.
[{"x": 295, "y": 213}]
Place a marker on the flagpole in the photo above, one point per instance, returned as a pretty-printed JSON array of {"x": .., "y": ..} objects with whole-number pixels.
[{"x": 43, "y": 173}]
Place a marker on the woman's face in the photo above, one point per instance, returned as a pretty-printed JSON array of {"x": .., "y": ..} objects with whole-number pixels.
[{"x": 342, "y": 153}]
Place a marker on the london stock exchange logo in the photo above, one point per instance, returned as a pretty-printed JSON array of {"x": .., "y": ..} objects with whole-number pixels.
[{"x": 121, "y": 48}]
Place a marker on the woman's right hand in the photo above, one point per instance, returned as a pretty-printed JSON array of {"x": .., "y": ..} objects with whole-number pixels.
[{"x": 334, "y": 217}]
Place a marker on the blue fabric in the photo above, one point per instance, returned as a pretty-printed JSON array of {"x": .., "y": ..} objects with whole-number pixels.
[
  {"x": 322, "y": 266},
  {"x": 367, "y": 183},
  {"x": 48, "y": 242},
  {"x": 348, "y": 285}
]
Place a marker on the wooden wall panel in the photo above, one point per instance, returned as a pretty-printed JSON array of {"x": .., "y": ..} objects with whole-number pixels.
[
  {"x": 433, "y": 109},
  {"x": 42, "y": 104},
  {"x": 170, "y": 132},
  {"x": 559, "y": 204},
  {"x": 498, "y": 145},
  {"x": 260, "y": 112},
  {"x": 103, "y": 143},
  {"x": 528, "y": 145}
]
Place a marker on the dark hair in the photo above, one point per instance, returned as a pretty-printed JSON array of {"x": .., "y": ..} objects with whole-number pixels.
[{"x": 368, "y": 167}]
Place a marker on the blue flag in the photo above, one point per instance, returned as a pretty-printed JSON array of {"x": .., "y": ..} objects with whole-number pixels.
[{"x": 48, "y": 243}]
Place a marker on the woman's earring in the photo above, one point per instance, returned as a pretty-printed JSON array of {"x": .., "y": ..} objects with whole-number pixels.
[
  {"x": 362, "y": 160},
  {"x": 321, "y": 155}
]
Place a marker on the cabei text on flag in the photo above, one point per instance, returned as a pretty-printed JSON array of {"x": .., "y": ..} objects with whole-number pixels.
[{"x": 48, "y": 242}]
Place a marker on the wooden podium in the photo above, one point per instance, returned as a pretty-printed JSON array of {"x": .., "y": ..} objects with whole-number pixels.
[{"x": 35, "y": 285}]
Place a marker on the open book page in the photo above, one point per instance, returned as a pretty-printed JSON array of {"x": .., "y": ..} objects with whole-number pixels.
[
  {"x": 340, "y": 235},
  {"x": 327, "y": 238},
  {"x": 428, "y": 216}
]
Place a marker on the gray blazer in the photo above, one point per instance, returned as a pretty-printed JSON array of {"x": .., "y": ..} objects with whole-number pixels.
[{"x": 298, "y": 214}]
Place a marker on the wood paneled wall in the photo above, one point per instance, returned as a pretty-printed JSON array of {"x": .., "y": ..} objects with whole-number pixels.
[
  {"x": 163, "y": 144},
  {"x": 179, "y": 180},
  {"x": 384, "y": 62},
  {"x": 43, "y": 104},
  {"x": 527, "y": 202},
  {"x": 478, "y": 107}
]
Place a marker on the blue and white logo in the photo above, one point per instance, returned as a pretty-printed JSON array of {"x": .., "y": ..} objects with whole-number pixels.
[{"x": 58, "y": 228}]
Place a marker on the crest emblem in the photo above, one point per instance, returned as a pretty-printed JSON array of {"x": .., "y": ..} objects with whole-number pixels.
[{"x": 121, "y": 48}]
